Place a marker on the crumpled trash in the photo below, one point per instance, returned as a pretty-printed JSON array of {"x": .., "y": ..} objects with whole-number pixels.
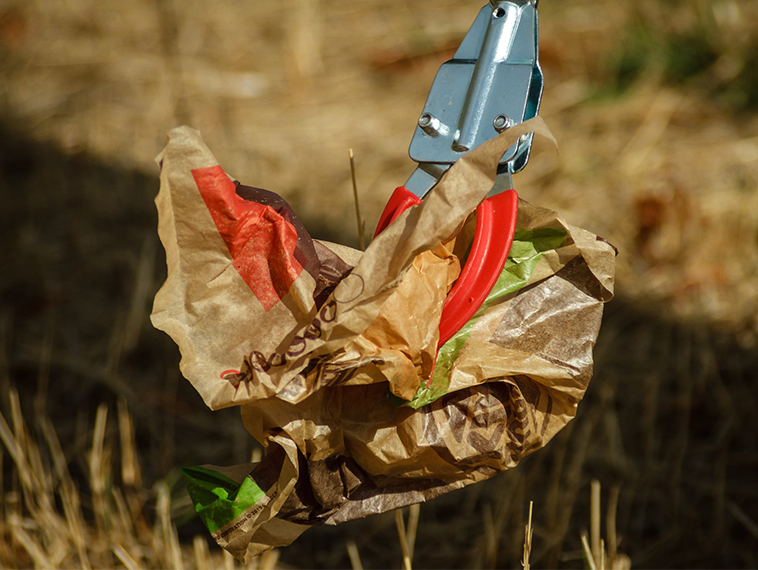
[{"x": 332, "y": 353}]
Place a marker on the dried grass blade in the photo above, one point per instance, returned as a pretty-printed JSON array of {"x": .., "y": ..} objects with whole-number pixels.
[
  {"x": 37, "y": 496},
  {"x": 6, "y": 326},
  {"x": 76, "y": 525},
  {"x": 56, "y": 451},
  {"x": 45, "y": 358},
  {"x": 589, "y": 558},
  {"x": 413, "y": 518},
  {"x": 400, "y": 523},
  {"x": 29, "y": 481},
  {"x": 176, "y": 550},
  {"x": 269, "y": 559},
  {"x": 228, "y": 561},
  {"x": 14, "y": 448},
  {"x": 200, "y": 549},
  {"x": 125, "y": 558},
  {"x": 52, "y": 533},
  {"x": 140, "y": 295},
  {"x": 528, "y": 532},
  {"x": 490, "y": 535},
  {"x": 122, "y": 516},
  {"x": 610, "y": 522},
  {"x": 131, "y": 473},
  {"x": 170, "y": 546},
  {"x": 650, "y": 131},
  {"x": 595, "y": 521},
  {"x": 96, "y": 467},
  {"x": 745, "y": 520},
  {"x": 355, "y": 557},
  {"x": 30, "y": 545},
  {"x": 358, "y": 218}
]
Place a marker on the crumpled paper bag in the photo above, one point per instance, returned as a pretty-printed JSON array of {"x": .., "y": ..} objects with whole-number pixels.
[{"x": 332, "y": 353}]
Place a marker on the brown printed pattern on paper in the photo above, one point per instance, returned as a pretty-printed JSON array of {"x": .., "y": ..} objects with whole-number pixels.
[{"x": 491, "y": 424}]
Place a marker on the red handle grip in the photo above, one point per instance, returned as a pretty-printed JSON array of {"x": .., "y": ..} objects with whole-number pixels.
[
  {"x": 495, "y": 227},
  {"x": 399, "y": 202}
]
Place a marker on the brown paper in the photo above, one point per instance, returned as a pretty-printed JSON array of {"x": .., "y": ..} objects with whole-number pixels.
[{"x": 321, "y": 349}]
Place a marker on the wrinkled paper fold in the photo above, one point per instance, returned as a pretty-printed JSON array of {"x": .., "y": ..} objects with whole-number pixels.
[{"x": 332, "y": 353}]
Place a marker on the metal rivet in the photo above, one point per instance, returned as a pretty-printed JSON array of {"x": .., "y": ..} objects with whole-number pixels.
[{"x": 502, "y": 123}]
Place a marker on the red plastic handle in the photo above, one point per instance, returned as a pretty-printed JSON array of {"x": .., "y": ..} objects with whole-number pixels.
[
  {"x": 399, "y": 202},
  {"x": 495, "y": 227}
]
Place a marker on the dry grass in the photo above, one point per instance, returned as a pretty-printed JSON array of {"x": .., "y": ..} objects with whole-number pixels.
[
  {"x": 51, "y": 520},
  {"x": 596, "y": 555},
  {"x": 654, "y": 106}
]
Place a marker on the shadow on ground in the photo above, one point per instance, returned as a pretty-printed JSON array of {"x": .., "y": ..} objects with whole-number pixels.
[{"x": 669, "y": 418}]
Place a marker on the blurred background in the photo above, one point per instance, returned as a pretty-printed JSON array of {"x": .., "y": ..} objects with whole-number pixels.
[{"x": 655, "y": 107}]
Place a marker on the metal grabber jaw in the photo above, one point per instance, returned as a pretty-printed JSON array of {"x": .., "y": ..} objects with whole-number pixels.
[{"x": 493, "y": 81}]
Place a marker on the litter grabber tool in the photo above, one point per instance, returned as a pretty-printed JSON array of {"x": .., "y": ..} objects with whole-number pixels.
[
  {"x": 326, "y": 348},
  {"x": 493, "y": 82}
]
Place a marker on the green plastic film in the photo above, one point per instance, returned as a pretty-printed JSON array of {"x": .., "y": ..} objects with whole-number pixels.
[{"x": 218, "y": 499}]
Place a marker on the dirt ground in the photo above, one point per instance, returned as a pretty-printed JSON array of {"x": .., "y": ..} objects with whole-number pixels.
[{"x": 654, "y": 107}]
